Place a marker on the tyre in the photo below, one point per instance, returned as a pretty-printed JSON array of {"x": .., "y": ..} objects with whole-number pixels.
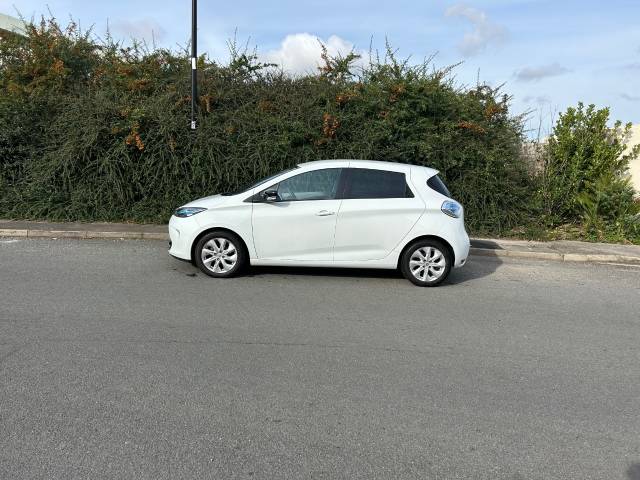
[
  {"x": 426, "y": 263},
  {"x": 220, "y": 254}
]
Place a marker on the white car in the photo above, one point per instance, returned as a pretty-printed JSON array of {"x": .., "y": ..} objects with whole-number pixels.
[{"x": 330, "y": 213}]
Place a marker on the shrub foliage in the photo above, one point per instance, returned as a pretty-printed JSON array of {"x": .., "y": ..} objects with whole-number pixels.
[
  {"x": 586, "y": 174},
  {"x": 96, "y": 131}
]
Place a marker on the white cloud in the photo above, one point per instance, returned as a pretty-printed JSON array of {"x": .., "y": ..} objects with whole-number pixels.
[
  {"x": 484, "y": 32},
  {"x": 299, "y": 53},
  {"x": 142, "y": 29},
  {"x": 534, "y": 74}
]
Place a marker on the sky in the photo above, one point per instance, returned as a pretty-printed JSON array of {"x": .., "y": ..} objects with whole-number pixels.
[{"x": 548, "y": 55}]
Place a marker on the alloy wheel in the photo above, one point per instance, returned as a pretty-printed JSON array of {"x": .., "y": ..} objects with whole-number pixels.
[
  {"x": 427, "y": 264},
  {"x": 219, "y": 255}
]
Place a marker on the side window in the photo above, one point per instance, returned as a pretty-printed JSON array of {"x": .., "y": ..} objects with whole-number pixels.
[
  {"x": 438, "y": 185},
  {"x": 313, "y": 185},
  {"x": 368, "y": 183}
]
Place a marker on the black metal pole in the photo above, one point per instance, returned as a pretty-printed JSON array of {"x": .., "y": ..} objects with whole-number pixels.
[{"x": 194, "y": 62}]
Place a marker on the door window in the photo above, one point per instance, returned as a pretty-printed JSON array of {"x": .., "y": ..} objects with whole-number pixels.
[
  {"x": 313, "y": 185},
  {"x": 369, "y": 183}
]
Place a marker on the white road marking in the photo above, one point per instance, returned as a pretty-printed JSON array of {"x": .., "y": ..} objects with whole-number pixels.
[{"x": 9, "y": 241}]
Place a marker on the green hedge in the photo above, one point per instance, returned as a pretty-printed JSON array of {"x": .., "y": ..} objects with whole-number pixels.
[{"x": 94, "y": 131}]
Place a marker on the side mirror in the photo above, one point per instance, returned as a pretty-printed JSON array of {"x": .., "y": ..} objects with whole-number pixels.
[{"x": 270, "y": 196}]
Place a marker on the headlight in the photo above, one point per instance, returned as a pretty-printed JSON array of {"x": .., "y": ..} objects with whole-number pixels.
[
  {"x": 451, "y": 208},
  {"x": 183, "y": 212}
]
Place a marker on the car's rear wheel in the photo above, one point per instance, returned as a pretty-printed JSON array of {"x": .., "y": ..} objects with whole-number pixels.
[
  {"x": 220, "y": 254},
  {"x": 426, "y": 263}
]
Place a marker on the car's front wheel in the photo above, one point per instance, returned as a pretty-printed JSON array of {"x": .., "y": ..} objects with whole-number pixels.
[
  {"x": 426, "y": 263},
  {"x": 220, "y": 254}
]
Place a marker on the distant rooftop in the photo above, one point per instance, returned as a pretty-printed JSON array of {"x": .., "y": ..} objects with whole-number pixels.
[{"x": 11, "y": 25}]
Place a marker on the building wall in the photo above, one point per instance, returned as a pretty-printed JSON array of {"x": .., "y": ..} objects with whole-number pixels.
[
  {"x": 635, "y": 165},
  {"x": 10, "y": 25}
]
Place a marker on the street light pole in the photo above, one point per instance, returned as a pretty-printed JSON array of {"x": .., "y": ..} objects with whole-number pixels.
[{"x": 194, "y": 62}]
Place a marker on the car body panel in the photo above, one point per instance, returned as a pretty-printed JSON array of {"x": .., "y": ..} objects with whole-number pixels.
[
  {"x": 302, "y": 230},
  {"x": 227, "y": 214},
  {"x": 369, "y": 230}
]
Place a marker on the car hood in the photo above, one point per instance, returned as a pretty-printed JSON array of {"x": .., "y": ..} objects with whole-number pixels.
[{"x": 209, "y": 202}]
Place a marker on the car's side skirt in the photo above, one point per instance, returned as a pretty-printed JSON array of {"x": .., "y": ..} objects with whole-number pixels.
[{"x": 386, "y": 263}]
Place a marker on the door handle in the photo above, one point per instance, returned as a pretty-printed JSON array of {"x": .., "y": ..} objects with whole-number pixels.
[{"x": 325, "y": 213}]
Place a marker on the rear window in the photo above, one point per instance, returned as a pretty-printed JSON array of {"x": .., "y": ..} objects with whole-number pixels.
[
  {"x": 370, "y": 183},
  {"x": 438, "y": 185}
]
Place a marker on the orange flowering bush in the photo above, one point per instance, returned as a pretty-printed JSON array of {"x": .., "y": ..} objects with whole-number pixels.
[{"x": 100, "y": 131}]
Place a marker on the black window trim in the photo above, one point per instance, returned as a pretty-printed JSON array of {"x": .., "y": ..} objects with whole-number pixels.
[{"x": 346, "y": 182}]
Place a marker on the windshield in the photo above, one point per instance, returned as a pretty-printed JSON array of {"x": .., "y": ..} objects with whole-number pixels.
[{"x": 246, "y": 188}]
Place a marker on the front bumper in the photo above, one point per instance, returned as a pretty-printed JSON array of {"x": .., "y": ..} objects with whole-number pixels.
[{"x": 182, "y": 232}]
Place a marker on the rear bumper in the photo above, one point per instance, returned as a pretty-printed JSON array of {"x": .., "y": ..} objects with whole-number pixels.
[
  {"x": 461, "y": 253},
  {"x": 461, "y": 250}
]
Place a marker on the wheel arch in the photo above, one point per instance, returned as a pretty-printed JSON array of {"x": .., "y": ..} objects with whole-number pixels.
[
  {"x": 215, "y": 229},
  {"x": 427, "y": 237}
]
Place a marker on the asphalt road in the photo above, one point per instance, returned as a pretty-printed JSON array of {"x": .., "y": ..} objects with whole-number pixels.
[{"x": 117, "y": 361}]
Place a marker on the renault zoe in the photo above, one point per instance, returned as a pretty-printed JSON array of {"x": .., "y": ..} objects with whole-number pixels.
[{"x": 329, "y": 213}]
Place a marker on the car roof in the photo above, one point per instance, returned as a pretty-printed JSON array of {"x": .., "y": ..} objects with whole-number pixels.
[{"x": 379, "y": 164}]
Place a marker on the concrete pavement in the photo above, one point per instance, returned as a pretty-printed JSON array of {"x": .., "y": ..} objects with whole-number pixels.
[
  {"x": 117, "y": 361},
  {"x": 558, "y": 250},
  {"x": 20, "y": 228}
]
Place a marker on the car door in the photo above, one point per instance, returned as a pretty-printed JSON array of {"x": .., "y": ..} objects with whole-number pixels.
[
  {"x": 300, "y": 224},
  {"x": 377, "y": 211}
]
